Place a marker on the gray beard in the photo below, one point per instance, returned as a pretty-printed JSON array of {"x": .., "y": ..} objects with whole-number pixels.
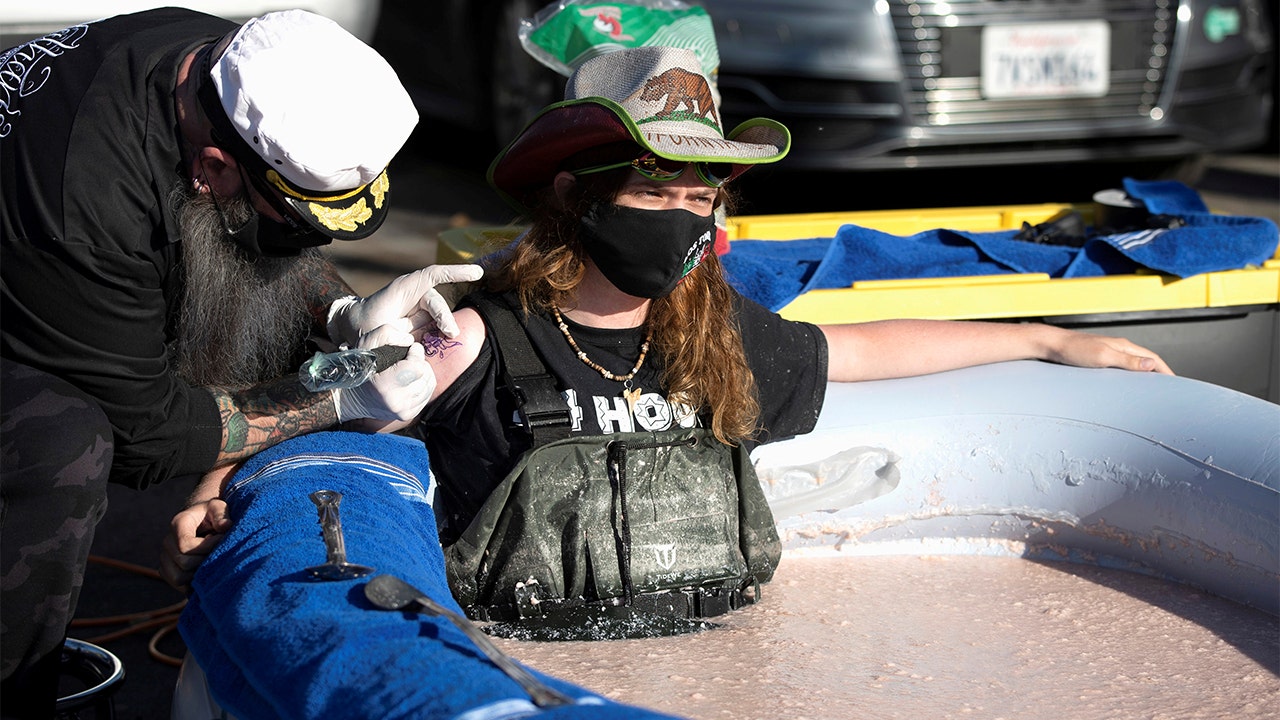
[{"x": 243, "y": 320}]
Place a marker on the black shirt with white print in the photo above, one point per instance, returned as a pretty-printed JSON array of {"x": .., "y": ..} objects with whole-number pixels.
[
  {"x": 90, "y": 260},
  {"x": 474, "y": 438}
]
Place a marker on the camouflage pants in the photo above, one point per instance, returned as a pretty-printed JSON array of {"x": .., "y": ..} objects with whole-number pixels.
[{"x": 55, "y": 455}]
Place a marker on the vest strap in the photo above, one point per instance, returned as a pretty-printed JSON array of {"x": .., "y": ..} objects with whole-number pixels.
[{"x": 543, "y": 411}]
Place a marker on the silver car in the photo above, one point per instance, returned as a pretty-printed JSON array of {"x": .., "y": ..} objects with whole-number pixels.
[{"x": 881, "y": 84}]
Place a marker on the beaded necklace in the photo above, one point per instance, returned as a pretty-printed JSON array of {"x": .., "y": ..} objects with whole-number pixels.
[{"x": 631, "y": 394}]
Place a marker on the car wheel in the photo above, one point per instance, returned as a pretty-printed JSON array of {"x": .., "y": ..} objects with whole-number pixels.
[{"x": 520, "y": 86}]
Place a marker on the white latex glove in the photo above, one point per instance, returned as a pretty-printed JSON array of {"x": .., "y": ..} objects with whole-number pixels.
[
  {"x": 397, "y": 393},
  {"x": 409, "y": 303}
]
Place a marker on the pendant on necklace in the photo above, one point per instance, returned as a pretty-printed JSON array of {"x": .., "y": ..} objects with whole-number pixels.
[{"x": 632, "y": 395}]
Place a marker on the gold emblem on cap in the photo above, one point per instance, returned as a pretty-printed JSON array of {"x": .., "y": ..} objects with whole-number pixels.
[
  {"x": 346, "y": 219},
  {"x": 378, "y": 188}
]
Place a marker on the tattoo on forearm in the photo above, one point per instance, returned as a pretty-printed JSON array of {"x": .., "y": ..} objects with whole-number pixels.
[
  {"x": 266, "y": 414},
  {"x": 237, "y": 433},
  {"x": 437, "y": 345}
]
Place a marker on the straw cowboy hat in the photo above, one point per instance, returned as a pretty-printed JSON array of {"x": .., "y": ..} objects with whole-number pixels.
[{"x": 654, "y": 97}]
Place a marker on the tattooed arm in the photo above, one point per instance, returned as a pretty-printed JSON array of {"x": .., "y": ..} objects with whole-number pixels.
[
  {"x": 266, "y": 414},
  {"x": 269, "y": 413},
  {"x": 449, "y": 357}
]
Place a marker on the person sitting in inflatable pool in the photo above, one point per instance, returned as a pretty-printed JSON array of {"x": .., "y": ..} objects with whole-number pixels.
[{"x": 590, "y": 426}]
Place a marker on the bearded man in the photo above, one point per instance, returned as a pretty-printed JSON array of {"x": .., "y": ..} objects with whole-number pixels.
[{"x": 166, "y": 178}]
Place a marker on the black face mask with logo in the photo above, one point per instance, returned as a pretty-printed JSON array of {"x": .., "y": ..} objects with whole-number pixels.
[{"x": 645, "y": 253}]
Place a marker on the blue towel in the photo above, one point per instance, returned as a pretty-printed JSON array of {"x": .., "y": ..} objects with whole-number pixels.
[
  {"x": 774, "y": 273},
  {"x": 276, "y": 643},
  {"x": 1165, "y": 197}
]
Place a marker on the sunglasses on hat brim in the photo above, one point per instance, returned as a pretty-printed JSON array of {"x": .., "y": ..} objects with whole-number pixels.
[{"x": 655, "y": 167}]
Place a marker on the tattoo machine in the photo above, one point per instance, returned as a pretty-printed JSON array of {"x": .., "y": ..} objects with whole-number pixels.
[{"x": 348, "y": 368}]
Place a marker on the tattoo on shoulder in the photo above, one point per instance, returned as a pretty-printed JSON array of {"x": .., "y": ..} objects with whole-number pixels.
[{"x": 438, "y": 345}]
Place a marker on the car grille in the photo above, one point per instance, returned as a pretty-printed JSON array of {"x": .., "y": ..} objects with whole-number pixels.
[{"x": 941, "y": 50}]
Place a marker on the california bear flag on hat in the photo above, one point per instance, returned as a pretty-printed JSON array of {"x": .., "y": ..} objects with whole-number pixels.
[
  {"x": 656, "y": 97},
  {"x": 313, "y": 112}
]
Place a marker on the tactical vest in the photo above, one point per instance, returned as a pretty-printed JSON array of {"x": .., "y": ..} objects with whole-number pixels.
[{"x": 671, "y": 522}]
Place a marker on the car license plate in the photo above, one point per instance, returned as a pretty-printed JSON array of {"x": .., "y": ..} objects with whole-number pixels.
[{"x": 1064, "y": 59}]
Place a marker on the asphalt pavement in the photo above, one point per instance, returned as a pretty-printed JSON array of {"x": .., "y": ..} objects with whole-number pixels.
[{"x": 428, "y": 197}]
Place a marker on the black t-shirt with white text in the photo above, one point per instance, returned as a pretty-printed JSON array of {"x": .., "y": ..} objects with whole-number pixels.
[
  {"x": 474, "y": 438},
  {"x": 90, "y": 271}
]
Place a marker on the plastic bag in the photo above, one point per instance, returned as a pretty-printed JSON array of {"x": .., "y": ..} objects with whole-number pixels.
[
  {"x": 565, "y": 34},
  {"x": 337, "y": 370}
]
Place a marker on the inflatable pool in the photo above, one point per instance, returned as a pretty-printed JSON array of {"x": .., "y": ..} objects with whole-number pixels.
[
  {"x": 1160, "y": 475},
  {"x": 1156, "y": 474}
]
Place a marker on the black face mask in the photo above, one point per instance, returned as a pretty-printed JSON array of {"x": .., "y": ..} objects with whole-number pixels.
[
  {"x": 268, "y": 238},
  {"x": 646, "y": 253}
]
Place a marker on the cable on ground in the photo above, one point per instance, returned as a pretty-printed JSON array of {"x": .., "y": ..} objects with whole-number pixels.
[{"x": 165, "y": 618}]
